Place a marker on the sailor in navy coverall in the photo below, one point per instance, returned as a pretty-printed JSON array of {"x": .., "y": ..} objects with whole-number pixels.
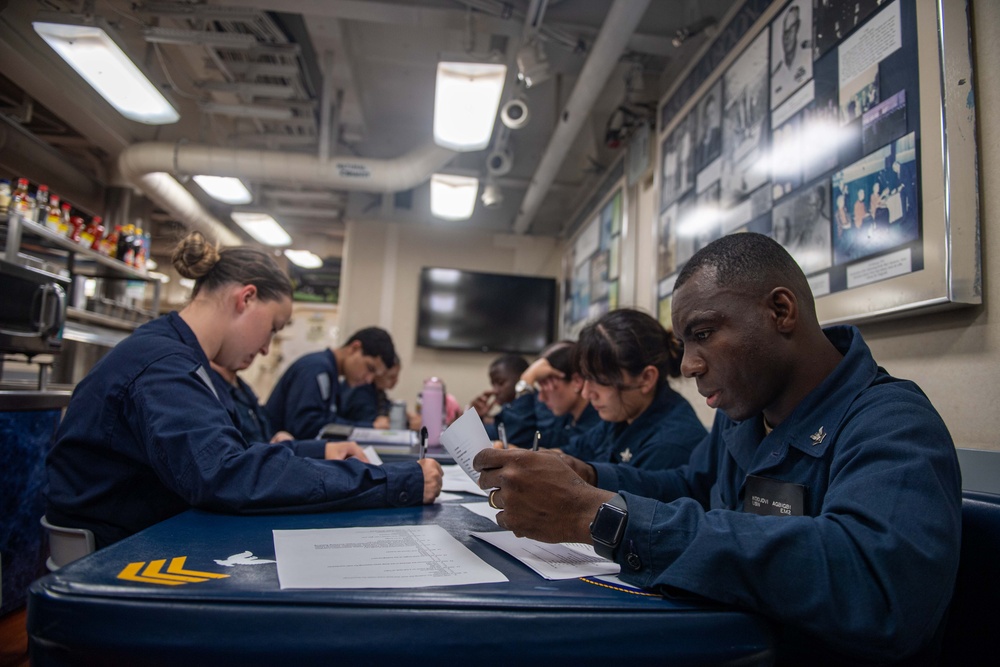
[
  {"x": 309, "y": 395},
  {"x": 146, "y": 436},
  {"x": 827, "y": 496},
  {"x": 662, "y": 437}
]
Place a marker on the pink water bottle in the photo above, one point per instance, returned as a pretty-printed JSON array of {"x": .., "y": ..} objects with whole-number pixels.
[{"x": 432, "y": 409}]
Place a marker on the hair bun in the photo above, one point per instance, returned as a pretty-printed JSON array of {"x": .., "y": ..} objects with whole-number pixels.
[{"x": 194, "y": 256}]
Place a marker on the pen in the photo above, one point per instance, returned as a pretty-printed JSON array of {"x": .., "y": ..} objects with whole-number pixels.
[
  {"x": 502, "y": 430},
  {"x": 423, "y": 442},
  {"x": 534, "y": 445}
]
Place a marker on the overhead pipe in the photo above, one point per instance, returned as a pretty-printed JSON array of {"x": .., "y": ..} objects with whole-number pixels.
[
  {"x": 147, "y": 167},
  {"x": 622, "y": 20}
]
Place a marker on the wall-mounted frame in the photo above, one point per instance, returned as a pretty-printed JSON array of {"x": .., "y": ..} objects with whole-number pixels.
[
  {"x": 846, "y": 131},
  {"x": 592, "y": 261}
]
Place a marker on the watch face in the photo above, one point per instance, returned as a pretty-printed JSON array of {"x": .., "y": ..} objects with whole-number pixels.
[{"x": 609, "y": 524}]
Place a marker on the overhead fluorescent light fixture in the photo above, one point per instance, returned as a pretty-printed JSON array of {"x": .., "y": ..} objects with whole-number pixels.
[
  {"x": 453, "y": 197},
  {"x": 304, "y": 258},
  {"x": 100, "y": 61},
  {"x": 262, "y": 227},
  {"x": 466, "y": 98},
  {"x": 225, "y": 188}
]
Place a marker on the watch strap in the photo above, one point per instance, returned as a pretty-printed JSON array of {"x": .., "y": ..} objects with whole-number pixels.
[{"x": 602, "y": 545}]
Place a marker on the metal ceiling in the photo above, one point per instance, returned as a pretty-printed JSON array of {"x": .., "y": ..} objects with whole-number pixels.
[{"x": 340, "y": 79}]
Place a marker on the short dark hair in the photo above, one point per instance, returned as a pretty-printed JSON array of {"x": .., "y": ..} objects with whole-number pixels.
[
  {"x": 626, "y": 340},
  {"x": 512, "y": 364},
  {"x": 562, "y": 357},
  {"x": 375, "y": 342},
  {"x": 752, "y": 263}
]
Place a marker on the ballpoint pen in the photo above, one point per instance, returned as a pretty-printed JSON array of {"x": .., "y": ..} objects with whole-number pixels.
[
  {"x": 502, "y": 431},
  {"x": 538, "y": 437},
  {"x": 423, "y": 442}
]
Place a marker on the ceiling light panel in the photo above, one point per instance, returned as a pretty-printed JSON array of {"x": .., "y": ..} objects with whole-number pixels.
[
  {"x": 466, "y": 98},
  {"x": 262, "y": 227},
  {"x": 453, "y": 197},
  {"x": 225, "y": 188},
  {"x": 96, "y": 57}
]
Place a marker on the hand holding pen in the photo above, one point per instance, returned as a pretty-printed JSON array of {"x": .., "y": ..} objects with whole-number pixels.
[{"x": 423, "y": 442}]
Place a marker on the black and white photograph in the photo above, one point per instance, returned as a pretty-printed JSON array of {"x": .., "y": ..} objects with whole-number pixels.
[
  {"x": 678, "y": 162},
  {"x": 875, "y": 202},
  {"x": 786, "y": 158},
  {"x": 666, "y": 240},
  {"x": 820, "y": 134},
  {"x": 802, "y": 225},
  {"x": 791, "y": 50},
  {"x": 884, "y": 122},
  {"x": 834, "y": 20},
  {"x": 709, "y": 115},
  {"x": 745, "y": 121},
  {"x": 686, "y": 229}
]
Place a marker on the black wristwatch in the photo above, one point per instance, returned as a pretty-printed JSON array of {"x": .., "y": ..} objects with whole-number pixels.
[{"x": 608, "y": 526}]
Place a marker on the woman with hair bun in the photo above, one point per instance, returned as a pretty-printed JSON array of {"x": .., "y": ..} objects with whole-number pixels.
[
  {"x": 625, "y": 358},
  {"x": 158, "y": 439}
]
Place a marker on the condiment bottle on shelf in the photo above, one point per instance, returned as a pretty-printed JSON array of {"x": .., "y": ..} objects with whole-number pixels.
[
  {"x": 92, "y": 235},
  {"x": 139, "y": 261},
  {"x": 53, "y": 217},
  {"x": 21, "y": 200},
  {"x": 76, "y": 228},
  {"x": 41, "y": 204},
  {"x": 126, "y": 245},
  {"x": 64, "y": 219},
  {"x": 5, "y": 196},
  {"x": 109, "y": 246}
]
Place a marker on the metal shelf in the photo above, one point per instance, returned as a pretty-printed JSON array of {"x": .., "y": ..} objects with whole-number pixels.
[
  {"x": 84, "y": 260},
  {"x": 78, "y": 260}
]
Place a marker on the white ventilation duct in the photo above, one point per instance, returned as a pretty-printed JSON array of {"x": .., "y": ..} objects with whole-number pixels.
[
  {"x": 617, "y": 29},
  {"x": 147, "y": 165}
]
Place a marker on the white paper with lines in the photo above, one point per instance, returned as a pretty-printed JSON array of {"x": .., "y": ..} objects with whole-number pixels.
[
  {"x": 551, "y": 561},
  {"x": 465, "y": 438}
]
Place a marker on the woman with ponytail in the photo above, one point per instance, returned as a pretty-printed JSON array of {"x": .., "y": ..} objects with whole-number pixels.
[
  {"x": 625, "y": 358},
  {"x": 146, "y": 435}
]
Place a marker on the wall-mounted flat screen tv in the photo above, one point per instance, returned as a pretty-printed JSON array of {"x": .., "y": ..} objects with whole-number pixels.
[{"x": 487, "y": 312}]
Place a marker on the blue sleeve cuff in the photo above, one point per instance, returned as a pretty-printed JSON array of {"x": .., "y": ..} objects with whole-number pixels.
[
  {"x": 404, "y": 484},
  {"x": 309, "y": 449},
  {"x": 607, "y": 476}
]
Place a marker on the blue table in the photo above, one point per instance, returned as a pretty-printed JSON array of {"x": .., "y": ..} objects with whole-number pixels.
[{"x": 86, "y": 613}]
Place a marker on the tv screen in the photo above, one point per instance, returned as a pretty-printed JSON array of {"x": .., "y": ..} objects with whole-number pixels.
[{"x": 488, "y": 312}]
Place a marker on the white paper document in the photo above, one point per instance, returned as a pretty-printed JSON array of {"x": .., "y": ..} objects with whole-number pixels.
[
  {"x": 482, "y": 509},
  {"x": 552, "y": 561},
  {"x": 465, "y": 438},
  {"x": 372, "y": 455},
  {"x": 456, "y": 480},
  {"x": 377, "y": 557},
  {"x": 383, "y": 436}
]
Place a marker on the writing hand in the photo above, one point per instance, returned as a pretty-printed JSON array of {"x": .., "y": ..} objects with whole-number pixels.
[{"x": 433, "y": 478}]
